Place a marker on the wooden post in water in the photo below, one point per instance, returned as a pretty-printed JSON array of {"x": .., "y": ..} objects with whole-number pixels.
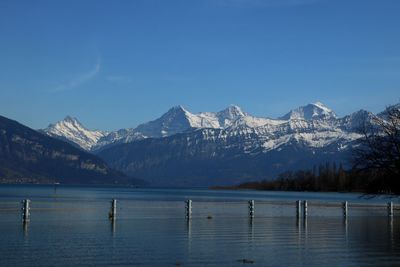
[
  {"x": 298, "y": 209},
  {"x": 345, "y": 209},
  {"x": 25, "y": 210},
  {"x": 188, "y": 208},
  {"x": 390, "y": 209},
  {"x": 251, "y": 208},
  {"x": 113, "y": 210},
  {"x": 304, "y": 208}
]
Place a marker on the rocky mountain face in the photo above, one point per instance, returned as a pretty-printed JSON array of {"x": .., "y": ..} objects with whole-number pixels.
[
  {"x": 207, "y": 157},
  {"x": 310, "y": 112},
  {"x": 71, "y": 130},
  {"x": 176, "y": 120},
  {"x": 27, "y": 156},
  {"x": 315, "y": 124},
  {"x": 185, "y": 149}
]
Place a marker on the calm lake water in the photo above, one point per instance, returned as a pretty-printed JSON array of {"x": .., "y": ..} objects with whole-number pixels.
[{"x": 69, "y": 226}]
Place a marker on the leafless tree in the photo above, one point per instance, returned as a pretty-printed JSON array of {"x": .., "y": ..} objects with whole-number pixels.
[{"x": 378, "y": 154}]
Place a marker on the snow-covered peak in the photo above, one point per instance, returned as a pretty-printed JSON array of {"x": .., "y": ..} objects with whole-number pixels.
[
  {"x": 313, "y": 111},
  {"x": 357, "y": 121},
  {"x": 67, "y": 122},
  {"x": 312, "y": 119},
  {"x": 175, "y": 120},
  {"x": 321, "y": 106},
  {"x": 384, "y": 114},
  {"x": 70, "y": 119},
  {"x": 72, "y": 130},
  {"x": 175, "y": 109},
  {"x": 178, "y": 119},
  {"x": 232, "y": 112}
]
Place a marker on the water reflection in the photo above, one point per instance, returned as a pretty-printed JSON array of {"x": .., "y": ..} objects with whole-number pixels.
[
  {"x": 189, "y": 235},
  {"x": 305, "y": 227},
  {"x": 149, "y": 238},
  {"x": 189, "y": 228},
  {"x": 251, "y": 228},
  {"x": 345, "y": 225},
  {"x": 25, "y": 228},
  {"x": 298, "y": 231},
  {"x": 113, "y": 226},
  {"x": 390, "y": 230}
]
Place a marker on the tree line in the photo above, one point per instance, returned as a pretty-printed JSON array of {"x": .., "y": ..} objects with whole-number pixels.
[{"x": 324, "y": 178}]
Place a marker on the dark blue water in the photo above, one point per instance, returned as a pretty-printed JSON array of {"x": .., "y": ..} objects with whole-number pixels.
[{"x": 69, "y": 226}]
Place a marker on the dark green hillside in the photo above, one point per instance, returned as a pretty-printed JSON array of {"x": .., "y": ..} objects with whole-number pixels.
[{"x": 27, "y": 156}]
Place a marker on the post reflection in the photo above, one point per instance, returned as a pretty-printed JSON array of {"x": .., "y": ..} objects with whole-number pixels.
[
  {"x": 298, "y": 230},
  {"x": 189, "y": 234},
  {"x": 305, "y": 227},
  {"x": 346, "y": 228},
  {"x": 25, "y": 228},
  {"x": 251, "y": 228},
  {"x": 113, "y": 226},
  {"x": 390, "y": 231},
  {"x": 298, "y": 223},
  {"x": 189, "y": 228}
]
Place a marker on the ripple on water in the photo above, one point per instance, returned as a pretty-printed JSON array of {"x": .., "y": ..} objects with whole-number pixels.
[{"x": 151, "y": 231}]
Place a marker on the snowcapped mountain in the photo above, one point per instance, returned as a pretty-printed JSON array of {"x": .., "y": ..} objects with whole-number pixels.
[
  {"x": 206, "y": 157},
  {"x": 27, "y": 156},
  {"x": 184, "y": 148},
  {"x": 356, "y": 121},
  {"x": 118, "y": 137},
  {"x": 178, "y": 120},
  {"x": 70, "y": 129},
  {"x": 315, "y": 125},
  {"x": 310, "y": 112},
  {"x": 383, "y": 115}
]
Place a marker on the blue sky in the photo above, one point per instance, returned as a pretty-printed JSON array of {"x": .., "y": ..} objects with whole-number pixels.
[{"x": 115, "y": 64}]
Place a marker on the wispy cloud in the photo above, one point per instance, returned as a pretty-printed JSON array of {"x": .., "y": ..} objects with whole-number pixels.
[
  {"x": 81, "y": 79},
  {"x": 265, "y": 3}
]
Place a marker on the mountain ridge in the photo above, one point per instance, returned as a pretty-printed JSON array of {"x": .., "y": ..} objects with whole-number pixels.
[
  {"x": 72, "y": 130},
  {"x": 181, "y": 148},
  {"x": 178, "y": 120},
  {"x": 249, "y": 149},
  {"x": 28, "y": 156}
]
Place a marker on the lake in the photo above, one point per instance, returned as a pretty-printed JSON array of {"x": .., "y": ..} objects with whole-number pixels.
[{"x": 69, "y": 225}]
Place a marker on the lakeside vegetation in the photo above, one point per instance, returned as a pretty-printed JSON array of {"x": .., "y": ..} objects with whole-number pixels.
[{"x": 327, "y": 179}]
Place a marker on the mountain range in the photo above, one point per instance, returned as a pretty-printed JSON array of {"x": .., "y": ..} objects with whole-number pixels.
[
  {"x": 217, "y": 148},
  {"x": 28, "y": 156}
]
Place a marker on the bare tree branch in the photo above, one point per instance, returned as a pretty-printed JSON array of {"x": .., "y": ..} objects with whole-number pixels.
[{"x": 379, "y": 150}]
